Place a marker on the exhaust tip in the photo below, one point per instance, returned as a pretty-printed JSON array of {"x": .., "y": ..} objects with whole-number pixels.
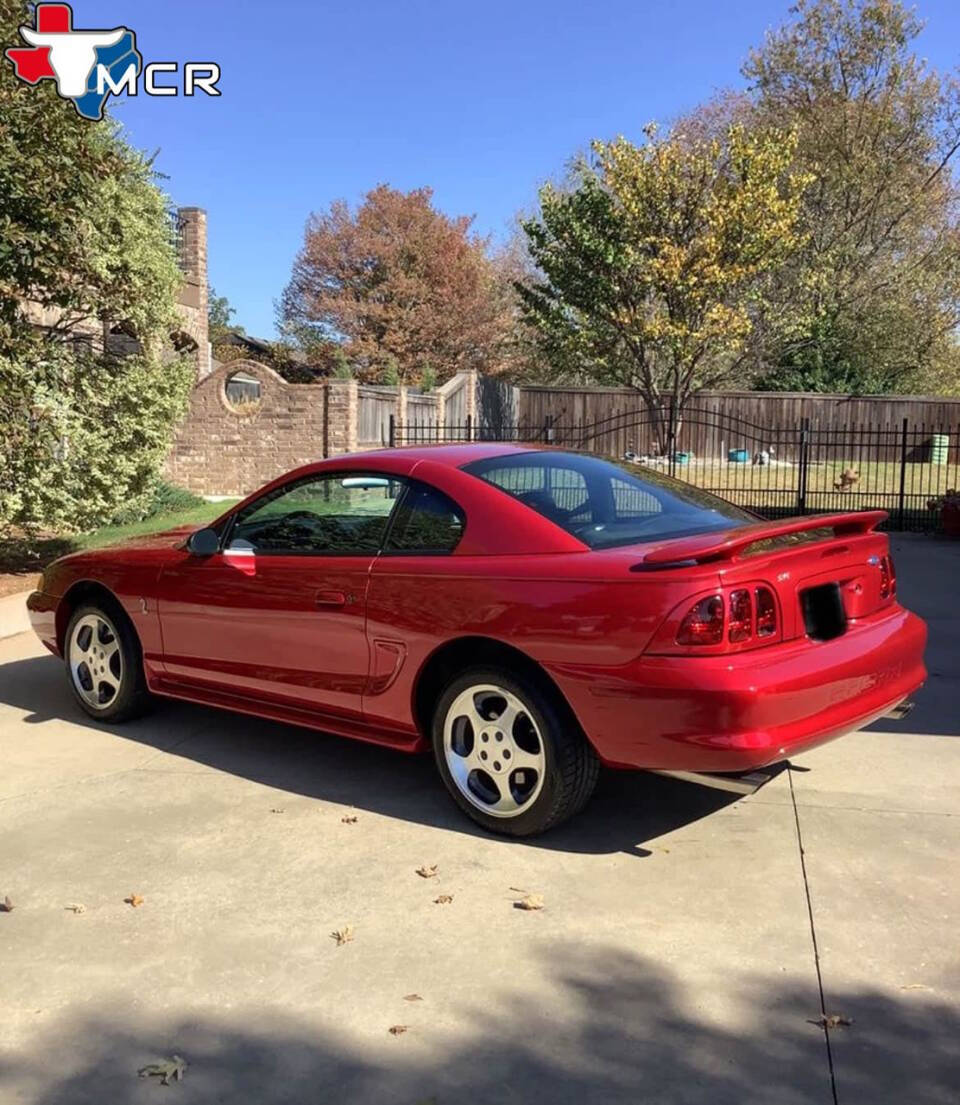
[
  {"x": 899, "y": 711},
  {"x": 743, "y": 782}
]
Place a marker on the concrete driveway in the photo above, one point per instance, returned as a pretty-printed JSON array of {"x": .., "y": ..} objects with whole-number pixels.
[{"x": 688, "y": 939}]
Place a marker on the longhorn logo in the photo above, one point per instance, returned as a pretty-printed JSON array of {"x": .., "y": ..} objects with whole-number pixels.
[{"x": 76, "y": 60}]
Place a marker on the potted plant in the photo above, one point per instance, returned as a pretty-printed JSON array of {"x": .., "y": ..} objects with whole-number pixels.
[{"x": 948, "y": 505}]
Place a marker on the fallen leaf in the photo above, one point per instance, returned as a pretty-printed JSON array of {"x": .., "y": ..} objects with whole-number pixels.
[
  {"x": 350, "y": 819},
  {"x": 134, "y": 900},
  {"x": 397, "y": 1029},
  {"x": 518, "y": 890},
  {"x": 427, "y": 872},
  {"x": 444, "y": 899},
  {"x": 342, "y": 936},
  {"x": 6, "y": 906},
  {"x": 530, "y": 902},
  {"x": 275, "y": 810},
  {"x": 915, "y": 986},
  {"x": 834, "y": 1020},
  {"x": 76, "y": 907},
  {"x": 412, "y": 997},
  {"x": 165, "y": 1070}
]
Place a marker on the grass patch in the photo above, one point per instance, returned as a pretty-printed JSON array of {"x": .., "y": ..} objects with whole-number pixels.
[{"x": 157, "y": 523}]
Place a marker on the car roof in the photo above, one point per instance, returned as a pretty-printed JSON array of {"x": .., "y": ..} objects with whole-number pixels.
[{"x": 455, "y": 455}]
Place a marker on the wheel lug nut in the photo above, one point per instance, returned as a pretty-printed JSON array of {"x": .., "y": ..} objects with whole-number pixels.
[
  {"x": 483, "y": 755},
  {"x": 484, "y": 737},
  {"x": 499, "y": 736},
  {"x": 496, "y": 766},
  {"x": 506, "y": 753}
]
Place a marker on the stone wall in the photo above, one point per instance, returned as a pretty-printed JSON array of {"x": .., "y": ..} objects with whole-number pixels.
[{"x": 224, "y": 450}]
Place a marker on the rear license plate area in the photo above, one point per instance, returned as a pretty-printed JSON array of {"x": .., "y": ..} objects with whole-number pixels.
[{"x": 824, "y": 615}]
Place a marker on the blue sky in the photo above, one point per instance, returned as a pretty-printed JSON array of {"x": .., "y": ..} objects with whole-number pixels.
[{"x": 481, "y": 101}]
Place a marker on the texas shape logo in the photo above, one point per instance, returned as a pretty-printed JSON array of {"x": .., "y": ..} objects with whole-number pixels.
[{"x": 86, "y": 65}]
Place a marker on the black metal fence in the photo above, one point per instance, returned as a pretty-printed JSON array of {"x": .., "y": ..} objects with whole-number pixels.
[{"x": 776, "y": 471}]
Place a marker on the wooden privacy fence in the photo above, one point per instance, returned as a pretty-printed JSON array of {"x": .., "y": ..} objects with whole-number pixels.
[
  {"x": 536, "y": 404},
  {"x": 375, "y": 406},
  {"x": 380, "y": 409}
]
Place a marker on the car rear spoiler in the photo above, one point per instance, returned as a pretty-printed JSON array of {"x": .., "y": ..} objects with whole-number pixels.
[{"x": 727, "y": 544}]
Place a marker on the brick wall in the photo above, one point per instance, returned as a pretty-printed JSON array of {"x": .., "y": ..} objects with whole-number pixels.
[
  {"x": 220, "y": 451},
  {"x": 223, "y": 449}
]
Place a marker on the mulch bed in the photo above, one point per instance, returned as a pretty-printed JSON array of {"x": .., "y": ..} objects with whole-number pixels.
[{"x": 23, "y": 559}]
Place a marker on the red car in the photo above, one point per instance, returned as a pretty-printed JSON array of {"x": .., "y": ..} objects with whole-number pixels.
[{"x": 530, "y": 613}]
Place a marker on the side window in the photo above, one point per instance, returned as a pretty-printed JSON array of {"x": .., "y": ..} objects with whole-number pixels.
[
  {"x": 631, "y": 501},
  {"x": 335, "y": 515},
  {"x": 568, "y": 490},
  {"x": 427, "y": 522},
  {"x": 554, "y": 490}
]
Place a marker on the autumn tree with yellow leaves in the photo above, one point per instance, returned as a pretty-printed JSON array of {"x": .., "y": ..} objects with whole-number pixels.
[{"x": 654, "y": 266}]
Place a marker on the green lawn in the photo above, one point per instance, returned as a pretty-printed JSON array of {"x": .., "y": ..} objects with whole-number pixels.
[
  {"x": 111, "y": 535},
  {"x": 877, "y": 485}
]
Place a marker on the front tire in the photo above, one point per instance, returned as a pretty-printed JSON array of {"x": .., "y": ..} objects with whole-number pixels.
[
  {"x": 105, "y": 663},
  {"x": 511, "y": 753}
]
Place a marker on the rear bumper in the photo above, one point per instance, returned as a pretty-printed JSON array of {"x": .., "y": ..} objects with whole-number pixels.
[{"x": 749, "y": 709}]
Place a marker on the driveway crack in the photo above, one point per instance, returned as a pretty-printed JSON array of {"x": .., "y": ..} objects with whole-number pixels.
[{"x": 813, "y": 937}]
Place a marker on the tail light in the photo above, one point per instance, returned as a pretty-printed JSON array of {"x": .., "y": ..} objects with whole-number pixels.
[
  {"x": 703, "y": 623},
  {"x": 766, "y": 612},
  {"x": 886, "y": 577},
  {"x": 741, "y": 616},
  {"x": 891, "y": 574},
  {"x": 728, "y": 621}
]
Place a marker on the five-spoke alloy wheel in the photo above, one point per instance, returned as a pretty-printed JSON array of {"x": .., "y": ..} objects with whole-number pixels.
[
  {"x": 510, "y": 752},
  {"x": 104, "y": 663},
  {"x": 494, "y": 750},
  {"x": 95, "y": 659}
]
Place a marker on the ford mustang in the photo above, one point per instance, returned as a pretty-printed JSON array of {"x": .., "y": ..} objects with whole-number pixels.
[{"x": 528, "y": 613}]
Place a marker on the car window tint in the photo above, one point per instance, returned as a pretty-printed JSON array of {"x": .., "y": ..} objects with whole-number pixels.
[
  {"x": 549, "y": 489},
  {"x": 604, "y": 504},
  {"x": 427, "y": 521},
  {"x": 631, "y": 501},
  {"x": 330, "y": 515}
]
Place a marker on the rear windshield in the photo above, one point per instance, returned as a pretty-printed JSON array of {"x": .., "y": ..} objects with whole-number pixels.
[{"x": 605, "y": 504}]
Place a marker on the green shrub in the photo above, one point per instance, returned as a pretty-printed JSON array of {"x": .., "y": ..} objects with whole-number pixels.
[
  {"x": 85, "y": 236},
  {"x": 164, "y": 498}
]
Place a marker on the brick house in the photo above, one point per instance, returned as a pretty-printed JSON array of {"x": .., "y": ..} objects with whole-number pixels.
[{"x": 190, "y": 231}]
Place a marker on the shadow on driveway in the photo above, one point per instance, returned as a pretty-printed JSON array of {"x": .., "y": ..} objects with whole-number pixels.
[
  {"x": 928, "y": 569},
  {"x": 621, "y": 1031},
  {"x": 628, "y": 810}
]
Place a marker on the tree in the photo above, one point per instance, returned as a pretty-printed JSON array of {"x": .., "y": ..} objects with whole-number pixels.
[
  {"x": 874, "y": 290},
  {"x": 655, "y": 263},
  {"x": 219, "y": 317},
  {"x": 400, "y": 285},
  {"x": 84, "y": 242}
]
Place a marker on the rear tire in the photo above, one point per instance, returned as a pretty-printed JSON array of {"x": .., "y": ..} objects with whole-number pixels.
[
  {"x": 510, "y": 752},
  {"x": 105, "y": 663}
]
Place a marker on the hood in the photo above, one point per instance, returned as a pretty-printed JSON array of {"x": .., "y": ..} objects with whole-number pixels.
[{"x": 149, "y": 542}]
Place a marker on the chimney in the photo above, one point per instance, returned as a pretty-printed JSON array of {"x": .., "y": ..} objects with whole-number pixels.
[{"x": 192, "y": 246}]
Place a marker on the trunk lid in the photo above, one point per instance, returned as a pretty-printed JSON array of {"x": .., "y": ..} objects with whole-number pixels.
[{"x": 825, "y": 570}]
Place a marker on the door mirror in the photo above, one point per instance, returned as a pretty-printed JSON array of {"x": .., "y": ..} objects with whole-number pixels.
[{"x": 205, "y": 542}]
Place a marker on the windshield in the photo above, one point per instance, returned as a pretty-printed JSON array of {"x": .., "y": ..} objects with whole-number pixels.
[{"x": 605, "y": 504}]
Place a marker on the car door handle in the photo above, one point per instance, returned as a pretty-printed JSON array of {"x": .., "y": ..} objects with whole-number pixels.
[{"x": 332, "y": 598}]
